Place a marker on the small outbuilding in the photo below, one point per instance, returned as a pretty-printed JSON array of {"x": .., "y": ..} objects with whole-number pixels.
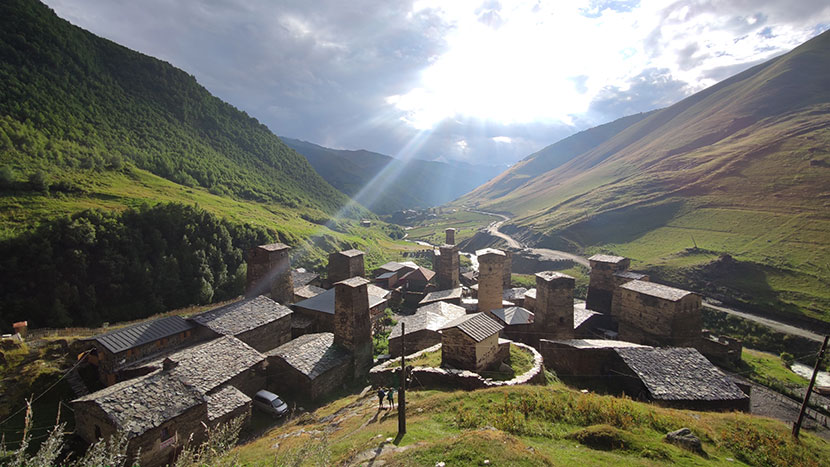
[
  {"x": 259, "y": 322},
  {"x": 517, "y": 322},
  {"x": 471, "y": 342},
  {"x": 418, "y": 279},
  {"x": 309, "y": 366},
  {"x": 422, "y": 328}
]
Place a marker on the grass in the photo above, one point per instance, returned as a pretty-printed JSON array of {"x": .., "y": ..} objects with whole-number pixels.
[
  {"x": 519, "y": 360},
  {"x": 525, "y": 425},
  {"x": 465, "y": 222},
  {"x": 765, "y": 367}
]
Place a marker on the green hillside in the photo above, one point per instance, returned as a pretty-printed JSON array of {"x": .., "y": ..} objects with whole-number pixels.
[
  {"x": 391, "y": 184},
  {"x": 741, "y": 168},
  {"x": 72, "y": 101}
]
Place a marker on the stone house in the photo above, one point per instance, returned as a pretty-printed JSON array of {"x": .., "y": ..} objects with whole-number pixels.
[
  {"x": 318, "y": 311},
  {"x": 601, "y": 283},
  {"x": 471, "y": 342},
  {"x": 115, "y": 350},
  {"x": 656, "y": 314},
  {"x": 401, "y": 268},
  {"x": 157, "y": 413},
  {"x": 450, "y": 296},
  {"x": 517, "y": 322},
  {"x": 422, "y": 328},
  {"x": 387, "y": 280},
  {"x": 418, "y": 279},
  {"x": 259, "y": 322},
  {"x": 309, "y": 366}
]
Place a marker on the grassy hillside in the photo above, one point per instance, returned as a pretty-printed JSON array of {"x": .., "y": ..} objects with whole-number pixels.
[
  {"x": 524, "y": 425},
  {"x": 741, "y": 168},
  {"x": 385, "y": 184},
  {"x": 72, "y": 101}
]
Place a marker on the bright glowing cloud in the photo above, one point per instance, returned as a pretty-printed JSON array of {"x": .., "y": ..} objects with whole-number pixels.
[{"x": 502, "y": 139}]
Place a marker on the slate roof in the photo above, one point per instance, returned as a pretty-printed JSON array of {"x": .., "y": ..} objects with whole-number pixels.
[
  {"x": 630, "y": 275},
  {"x": 324, "y": 302},
  {"x": 142, "y": 333},
  {"x": 582, "y": 314},
  {"x": 596, "y": 343},
  {"x": 450, "y": 294},
  {"x": 478, "y": 326},
  {"x": 225, "y": 401},
  {"x": 422, "y": 273},
  {"x": 607, "y": 258},
  {"x": 490, "y": 251},
  {"x": 392, "y": 266},
  {"x": 146, "y": 402},
  {"x": 531, "y": 293},
  {"x": 308, "y": 291},
  {"x": 350, "y": 253},
  {"x": 656, "y": 290},
  {"x": 312, "y": 354},
  {"x": 513, "y": 315},
  {"x": 212, "y": 364},
  {"x": 242, "y": 316},
  {"x": 431, "y": 317},
  {"x": 517, "y": 293},
  {"x": 274, "y": 247},
  {"x": 679, "y": 374},
  {"x": 387, "y": 275},
  {"x": 300, "y": 278}
]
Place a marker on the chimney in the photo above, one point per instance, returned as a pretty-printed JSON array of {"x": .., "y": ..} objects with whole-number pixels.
[
  {"x": 352, "y": 324},
  {"x": 168, "y": 364},
  {"x": 345, "y": 264},
  {"x": 269, "y": 273},
  {"x": 450, "y": 236},
  {"x": 490, "y": 279},
  {"x": 554, "y": 305},
  {"x": 602, "y": 284}
]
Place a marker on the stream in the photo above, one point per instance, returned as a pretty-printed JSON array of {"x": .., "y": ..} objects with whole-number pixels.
[{"x": 822, "y": 379}]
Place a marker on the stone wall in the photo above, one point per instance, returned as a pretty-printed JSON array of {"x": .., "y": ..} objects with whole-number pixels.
[
  {"x": 109, "y": 363},
  {"x": 488, "y": 354},
  {"x": 458, "y": 350},
  {"x": 352, "y": 323},
  {"x": 385, "y": 374},
  {"x": 269, "y": 273},
  {"x": 602, "y": 284},
  {"x": 269, "y": 336},
  {"x": 720, "y": 350},
  {"x": 283, "y": 379},
  {"x": 507, "y": 268},
  {"x": 345, "y": 264},
  {"x": 554, "y": 307},
  {"x": 415, "y": 341},
  {"x": 645, "y": 319},
  {"x": 450, "y": 236},
  {"x": 447, "y": 267},
  {"x": 250, "y": 381}
]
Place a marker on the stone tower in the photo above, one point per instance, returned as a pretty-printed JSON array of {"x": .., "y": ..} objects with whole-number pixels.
[
  {"x": 447, "y": 267},
  {"x": 352, "y": 324},
  {"x": 450, "y": 234},
  {"x": 508, "y": 266},
  {"x": 269, "y": 273},
  {"x": 345, "y": 264},
  {"x": 490, "y": 279},
  {"x": 554, "y": 305},
  {"x": 602, "y": 284}
]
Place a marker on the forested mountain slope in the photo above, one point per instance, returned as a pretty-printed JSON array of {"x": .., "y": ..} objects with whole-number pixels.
[
  {"x": 384, "y": 184},
  {"x": 741, "y": 168}
]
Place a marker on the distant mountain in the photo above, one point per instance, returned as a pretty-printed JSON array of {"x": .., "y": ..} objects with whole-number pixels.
[
  {"x": 385, "y": 184},
  {"x": 71, "y": 100},
  {"x": 741, "y": 168}
]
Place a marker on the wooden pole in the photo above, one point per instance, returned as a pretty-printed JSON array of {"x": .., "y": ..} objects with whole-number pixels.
[
  {"x": 402, "y": 392},
  {"x": 797, "y": 426}
]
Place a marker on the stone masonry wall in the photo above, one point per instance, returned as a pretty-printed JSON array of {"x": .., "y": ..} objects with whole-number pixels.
[
  {"x": 490, "y": 279},
  {"x": 352, "y": 323},
  {"x": 602, "y": 284},
  {"x": 650, "y": 320},
  {"x": 345, "y": 264},
  {"x": 269, "y": 336},
  {"x": 507, "y": 270},
  {"x": 458, "y": 350},
  {"x": 447, "y": 267},
  {"x": 554, "y": 307},
  {"x": 269, "y": 273},
  {"x": 415, "y": 341}
]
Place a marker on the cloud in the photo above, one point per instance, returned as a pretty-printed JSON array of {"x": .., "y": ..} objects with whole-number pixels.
[{"x": 414, "y": 78}]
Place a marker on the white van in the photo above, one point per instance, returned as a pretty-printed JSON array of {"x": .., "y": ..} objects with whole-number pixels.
[{"x": 271, "y": 403}]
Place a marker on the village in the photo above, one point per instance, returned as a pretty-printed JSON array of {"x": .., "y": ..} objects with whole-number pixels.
[{"x": 303, "y": 337}]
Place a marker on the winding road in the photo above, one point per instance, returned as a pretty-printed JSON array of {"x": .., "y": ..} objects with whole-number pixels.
[{"x": 493, "y": 229}]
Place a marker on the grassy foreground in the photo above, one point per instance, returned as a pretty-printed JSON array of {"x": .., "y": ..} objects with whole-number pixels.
[{"x": 524, "y": 425}]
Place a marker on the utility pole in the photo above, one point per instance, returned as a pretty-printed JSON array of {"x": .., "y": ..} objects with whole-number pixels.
[
  {"x": 402, "y": 392},
  {"x": 797, "y": 426}
]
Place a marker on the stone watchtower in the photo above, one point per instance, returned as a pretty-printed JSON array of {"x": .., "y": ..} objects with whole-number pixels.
[
  {"x": 269, "y": 273},
  {"x": 352, "y": 324},
  {"x": 507, "y": 269},
  {"x": 450, "y": 234},
  {"x": 554, "y": 305},
  {"x": 602, "y": 283},
  {"x": 447, "y": 267},
  {"x": 490, "y": 279},
  {"x": 345, "y": 264}
]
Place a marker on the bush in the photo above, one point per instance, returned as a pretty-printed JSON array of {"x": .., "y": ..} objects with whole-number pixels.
[
  {"x": 38, "y": 182},
  {"x": 7, "y": 177}
]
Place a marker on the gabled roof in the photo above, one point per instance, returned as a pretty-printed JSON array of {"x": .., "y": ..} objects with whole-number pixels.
[
  {"x": 517, "y": 293},
  {"x": 242, "y": 316},
  {"x": 513, "y": 315},
  {"x": 596, "y": 343},
  {"x": 430, "y": 317},
  {"x": 214, "y": 363},
  {"x": 324, "y": 302},
  {"x": 679, "y": 374},
  {"x": 302, "y": 277},
  {"x": 656, "y": 290},
  {"x": 387, "y": 275},
  {"x": 142, "y": 333},
  {"x": 225, "y": 401},
  {"x": 141, "y": 404},
  {"x": 312, "y": 354},
  {"x": 308, "y": 291},
  {"x": 478, "y": 326},
  {"x": 582, "y": 314},
  {"x": 392, "y": 266},
  {"x": 531, "y": 293},
  {"x": 630, "y": 275},
  {"x": 420, "y": 273},
  {"x": 448, "y": 310},
  {"x": 451, "y": 294}
]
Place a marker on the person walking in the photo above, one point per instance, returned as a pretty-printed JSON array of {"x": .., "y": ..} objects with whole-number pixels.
[
  {"x": 391, "y": 396},
  {"x": 381, "y": 395}
]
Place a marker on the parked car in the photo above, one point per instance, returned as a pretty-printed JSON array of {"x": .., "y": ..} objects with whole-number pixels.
[{"x": 270, "y": 403}]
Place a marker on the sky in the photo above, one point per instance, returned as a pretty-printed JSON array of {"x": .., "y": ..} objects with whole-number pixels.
[{"x": 486, "y": 82}]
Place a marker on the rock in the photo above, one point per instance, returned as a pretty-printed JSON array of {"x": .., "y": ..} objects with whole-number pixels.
[
  {"x": 440, "y": 464},
  {"x": 686, "y": 440}
]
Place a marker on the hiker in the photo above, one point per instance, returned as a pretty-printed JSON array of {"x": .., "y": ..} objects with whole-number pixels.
[
  {"x": 391, "y": 395},
  {"x": 381, "y": 395}
]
